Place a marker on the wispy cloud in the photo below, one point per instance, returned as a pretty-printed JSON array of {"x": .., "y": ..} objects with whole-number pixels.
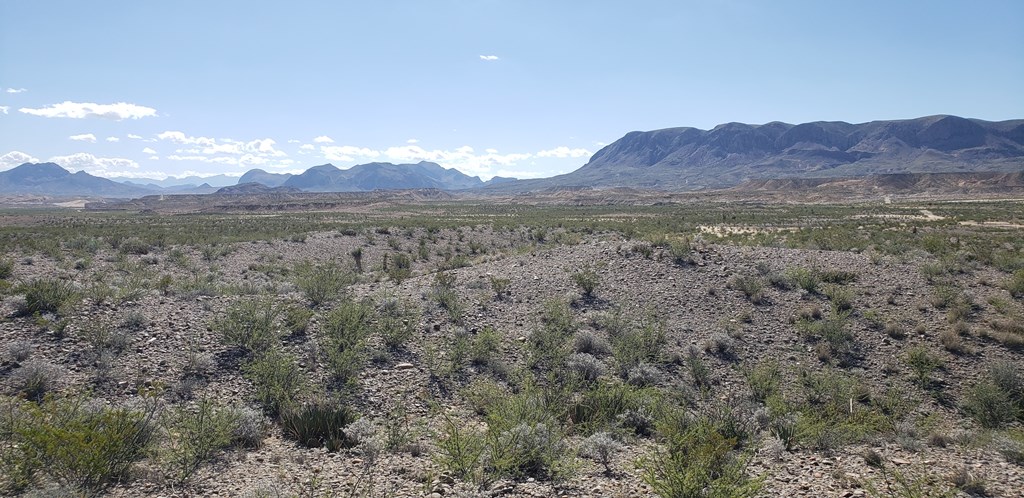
[
  {"x": 134, "y": 136},
  {"x": 85, "y": 137},
  {"x": 4, "y": 109},
  {"x": 149, "y": 151},
  {"x": 412, "y": 141},
  {"x": 113, "y": 139},
  {"x": 323, "y": 139},
  {"x": 564, "y": 152},
  {"x": 488, "y": 57},
  {"x": 15, "y": 158},
  {"x": 15, "y": 90},
  {"x": 80, "y": 110}
]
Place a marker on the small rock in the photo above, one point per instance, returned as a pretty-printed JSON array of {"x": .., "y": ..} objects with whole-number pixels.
[{"x": 404, "y": 366}]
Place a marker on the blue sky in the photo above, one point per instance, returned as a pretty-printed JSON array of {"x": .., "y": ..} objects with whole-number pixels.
[{"x": 491, "y": 87}]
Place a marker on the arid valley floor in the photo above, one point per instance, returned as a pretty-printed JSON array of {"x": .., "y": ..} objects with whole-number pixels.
[{"x": 437, "y": 347}]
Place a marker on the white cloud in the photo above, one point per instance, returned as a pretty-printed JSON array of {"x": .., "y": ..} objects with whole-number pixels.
[
  {"x": 148, "y": 150},
  {"x": 134, "y": 136},
  {"x": 15, "y": 158},
  {"x": 85, "y": 137},
  {"x": 488, "y": 57},
  {"x": 154, "y": 158},
  {"x": 113, "y": 139},
  {"x": 294, "y": 141},
  {"x": 564, "y": 152},
  {"x": 491, "y": 151},
  {"x": 307, "y": 147},
  {"x": 99, "y": 166},
  {"x": 463, "y": 158},
  {"x": 4, "y": 109},
  {"x": 15, "y": 90},
  {"x": 323, "y": 139},
  {"x": 263, "y": 147},
  {"x": 181, "y": 138},
  {"x": 79, "y": 110},
  {"x": 412, "y": 141},
  {"x": 347, "y": 152}
]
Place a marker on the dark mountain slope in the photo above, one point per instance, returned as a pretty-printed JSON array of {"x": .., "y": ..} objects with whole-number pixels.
[
  {"x": 51, "y": 179},
  {"x": 731, "y": 153}
]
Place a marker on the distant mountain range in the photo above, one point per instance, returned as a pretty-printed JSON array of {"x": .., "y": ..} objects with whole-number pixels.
[
  {"x": 668, "y": 159},
  {"x": 51, "y": 179},
  {"x": 729, "y": 154}
]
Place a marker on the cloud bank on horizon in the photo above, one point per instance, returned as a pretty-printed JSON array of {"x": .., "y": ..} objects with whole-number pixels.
[{"x": 462, "y": 84}]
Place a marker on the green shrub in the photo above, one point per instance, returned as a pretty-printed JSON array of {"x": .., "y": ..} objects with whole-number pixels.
[
  {"x": 250, "y": 324},
  {"x": 499, "y": 286},
  {"x": 444, "y": 292},
  {"x": 197, "y": 433},
  {"x": 681, "y": 252},
  {"x": 638, "y": 343},
  {"x": 1015, "y": 284},
  {"x": 321, "y": 284},
  {"x": 296, "y": 319},
  {"x": 345, "y": 331},
  {"x": 396, "y": 322},
  {"x": 35, "y": 378},
  {"x": 991, "y": 405},
  {"x": 803, "y": 278},
  {"x": 528, "y": 450},
  {"x": 277, "y": 379},
  {"x": 547, "y": 344},
  {"x": 133, "y": 245},
  {"x": 485, "y": 344},
  {"x": 838, "y": 277},
  {"x": 698, "y": 462},
  {"x": 605, "y": 405},
  {"x": 6, "y": 268},
  {"x": 751, "y": 287},
  {"x": 841, "y": 297},
  {"x": 81, "y": 445},
  {"x": 923, "y": 363},
  {"x": 400, "y": 267},
  {"x": 764, "y": 380},
  {"x": 319, "y": 425},
  {"x": 839, "y": 342},
  {"x": 482, "y": 393},
  {"x": 47, "y": 295},
  {"x": 587, "y": 280},
  {"x": 460, "y": 450}
]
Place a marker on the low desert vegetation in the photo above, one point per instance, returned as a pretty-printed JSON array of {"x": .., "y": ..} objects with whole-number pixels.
[{"x": 513, "y": 349}]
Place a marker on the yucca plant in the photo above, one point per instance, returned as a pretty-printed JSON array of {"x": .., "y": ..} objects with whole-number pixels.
[{"x": 320, "y": 424}]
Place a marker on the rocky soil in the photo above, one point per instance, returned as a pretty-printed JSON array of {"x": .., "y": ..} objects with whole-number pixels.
[{"x": 696, "y": 301}]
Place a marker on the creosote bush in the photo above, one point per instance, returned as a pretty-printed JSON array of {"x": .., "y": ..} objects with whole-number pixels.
[
  {"x": 587, "y": 281},
  {"x": 80, "y": 444},
  {"x": 321, "y": 284},
  {"x": 345, "y": 330},
  {"x": 250, "y": 324},
  {"x": 699, "y": 461},
  {"x": 277, "y": 379}
]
